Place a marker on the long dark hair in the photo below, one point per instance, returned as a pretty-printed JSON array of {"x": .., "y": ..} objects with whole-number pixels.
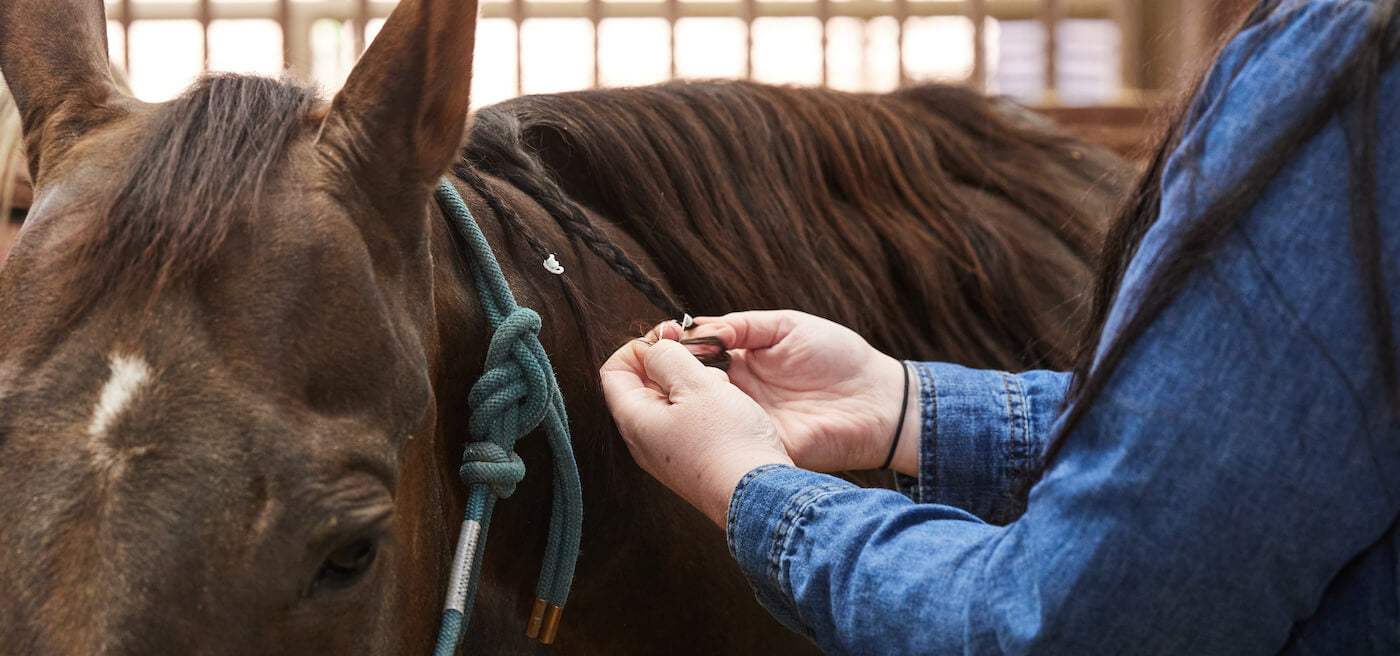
[
  {"x": 1354, "y": 89},
  {"x": 939, "y": 223}
]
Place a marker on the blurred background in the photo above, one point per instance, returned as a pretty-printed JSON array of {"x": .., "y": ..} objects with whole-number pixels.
[
  {"x": 1100, "y": 67},
  {"x": 1057, "y": 54}
]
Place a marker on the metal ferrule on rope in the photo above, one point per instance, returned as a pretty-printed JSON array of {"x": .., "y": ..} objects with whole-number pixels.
[{"x": 516, "y": 393}]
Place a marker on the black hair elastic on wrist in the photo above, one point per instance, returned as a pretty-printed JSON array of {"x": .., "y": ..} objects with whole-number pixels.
[{"x": 899, "y": 426}]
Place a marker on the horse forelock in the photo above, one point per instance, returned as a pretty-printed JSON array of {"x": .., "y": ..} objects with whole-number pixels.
[{"x": 201, "y": 165}]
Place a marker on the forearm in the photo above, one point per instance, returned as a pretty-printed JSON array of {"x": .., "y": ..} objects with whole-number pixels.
[
  {"x": 801, "y": 539},
  {"x": 862, "y": 571}
]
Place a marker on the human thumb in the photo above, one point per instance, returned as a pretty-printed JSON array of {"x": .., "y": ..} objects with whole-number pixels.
[{"x": 671, "y": 365}]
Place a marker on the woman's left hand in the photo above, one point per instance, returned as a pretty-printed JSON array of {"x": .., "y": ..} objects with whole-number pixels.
[{"x": 685, "y": 424}]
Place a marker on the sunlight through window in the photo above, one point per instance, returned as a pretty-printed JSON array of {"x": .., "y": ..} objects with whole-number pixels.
[{"x": 862, "y": 51}]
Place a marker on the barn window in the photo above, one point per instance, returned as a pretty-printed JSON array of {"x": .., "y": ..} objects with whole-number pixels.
[{"x": 1049, "y": 52}]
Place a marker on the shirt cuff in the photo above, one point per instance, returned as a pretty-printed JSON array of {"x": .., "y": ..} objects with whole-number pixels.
[
  {"x": 982, "y": 436},
  {"x": 765, "y": 507}
]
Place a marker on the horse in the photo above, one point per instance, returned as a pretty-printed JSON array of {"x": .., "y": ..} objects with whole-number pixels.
[{"x": 237, "y": 334}]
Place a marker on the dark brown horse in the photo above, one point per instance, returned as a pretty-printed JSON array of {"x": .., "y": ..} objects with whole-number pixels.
[{"x": 236, "y": 335}]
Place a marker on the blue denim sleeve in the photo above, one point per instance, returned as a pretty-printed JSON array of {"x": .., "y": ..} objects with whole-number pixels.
[
  {"x": 771, "y": 534},
  {"x": 1234, "y": 489},
  {"x": 982, "y": 435}
]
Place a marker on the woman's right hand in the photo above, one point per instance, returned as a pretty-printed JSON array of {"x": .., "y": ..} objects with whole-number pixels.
[{"x": 834, "y": 398}]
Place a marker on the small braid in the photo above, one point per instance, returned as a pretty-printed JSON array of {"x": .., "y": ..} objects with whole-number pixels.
[
  {"x": 710, "y": 351},
  {"x": 526, "y": 173},
  {"x": 574, "y": 222},
  {"x": 507, "y": 213}
]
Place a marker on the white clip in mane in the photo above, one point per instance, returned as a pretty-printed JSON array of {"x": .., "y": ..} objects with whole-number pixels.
[
  {"x": 687, "y": 321},
  {"x": 552, "y": 265}
]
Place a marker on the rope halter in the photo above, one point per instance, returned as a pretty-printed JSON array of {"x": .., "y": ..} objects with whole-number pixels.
[{"x": 516, "y": 394}]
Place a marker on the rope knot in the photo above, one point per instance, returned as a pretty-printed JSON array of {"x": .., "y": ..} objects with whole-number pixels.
[
  {"x": 514, "y": 392},
  {"x": 486, "y": 463}
]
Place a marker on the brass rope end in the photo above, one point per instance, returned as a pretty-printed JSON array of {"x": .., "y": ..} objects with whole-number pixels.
[
  {"x": 532, "y": 630},
  {"x": 551, "y": 624}
]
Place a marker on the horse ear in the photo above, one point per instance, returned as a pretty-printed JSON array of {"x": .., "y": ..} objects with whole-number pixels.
[
  {"x": 397, "y": 124},
  {"x": 54, "y": 57}
]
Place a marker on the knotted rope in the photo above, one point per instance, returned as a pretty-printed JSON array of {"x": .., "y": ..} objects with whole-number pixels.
[
  {"x": 490, "y": 465},
  {"x": 516, "y": 393}
]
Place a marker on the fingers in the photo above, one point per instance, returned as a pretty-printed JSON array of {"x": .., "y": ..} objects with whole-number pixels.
[
  {"x": 740, "y": 375},
  {"x": 655, "y": 364},
  {"x": 665, "y": 330},
  {"x": 722, "y": 331},
  {"x": 718, "y": 375},
  {"x": 672, "y": 366},
  {"x": 625, "y": 360},
  {"x": 625, "y": 372},
  {"x": 692, "y": 339},
  {"x": 630, "y": 397},
  {"x": 758, "y": 329}
]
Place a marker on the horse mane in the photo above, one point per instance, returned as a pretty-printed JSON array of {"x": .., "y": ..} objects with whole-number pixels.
[
  {"x": 935, "y": 221},
  {"x": 201, "y": 165}
]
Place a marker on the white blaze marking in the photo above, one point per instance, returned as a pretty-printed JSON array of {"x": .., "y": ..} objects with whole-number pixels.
[{"x": 129, "y": 375}]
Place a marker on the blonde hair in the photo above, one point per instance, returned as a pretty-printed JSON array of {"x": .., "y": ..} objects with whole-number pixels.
[
  {"x": 12, "y": 164},
  {"x": 14, "y": 168}
]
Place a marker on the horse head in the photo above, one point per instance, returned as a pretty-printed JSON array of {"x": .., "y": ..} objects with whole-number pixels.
[{"x": 218, "y": 329}]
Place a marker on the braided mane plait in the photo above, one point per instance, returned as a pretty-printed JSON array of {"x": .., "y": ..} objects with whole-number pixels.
[
  {"x": 503, "y": 155},
  {"x": 506, "y": 212},
  {"x": 710, "y": 351}
]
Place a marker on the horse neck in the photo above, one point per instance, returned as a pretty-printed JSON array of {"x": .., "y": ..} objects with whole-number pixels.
[{"x": 653, "y": 573}]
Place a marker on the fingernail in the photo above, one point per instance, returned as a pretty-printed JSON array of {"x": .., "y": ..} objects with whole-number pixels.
[{"x": 661, "y": 329}]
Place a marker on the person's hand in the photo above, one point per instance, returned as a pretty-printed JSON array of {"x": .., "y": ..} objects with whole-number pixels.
[
  {"x": 834, "y": 398},
  {"x": 685, "y": 424}
]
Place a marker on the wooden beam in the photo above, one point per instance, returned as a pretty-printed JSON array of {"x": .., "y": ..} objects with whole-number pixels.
[
  {"x": 360, "y": 23},
  {"x": 595, "y": 19},
  {"x": 1168, "y": 43},
  {"x": 977, "y": 13},
  {"x": 750, "y": 11},
  {"x": 284, "y": 20},
  {"x": 1050, "y": 17},
  {"x": 1131, "y": 49},
  {"x": 126, "y": 36},
  {"x": 206, "y": 16}
]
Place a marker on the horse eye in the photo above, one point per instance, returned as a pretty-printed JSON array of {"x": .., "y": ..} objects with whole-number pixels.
[{"x": 346, "y": 564}]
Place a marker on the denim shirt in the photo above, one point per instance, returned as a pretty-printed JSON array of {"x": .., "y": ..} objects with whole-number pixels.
[{"x": 1234, "y": 490}]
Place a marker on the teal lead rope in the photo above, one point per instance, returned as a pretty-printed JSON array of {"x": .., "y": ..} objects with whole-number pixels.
[{"x": 517, "y": 392}]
